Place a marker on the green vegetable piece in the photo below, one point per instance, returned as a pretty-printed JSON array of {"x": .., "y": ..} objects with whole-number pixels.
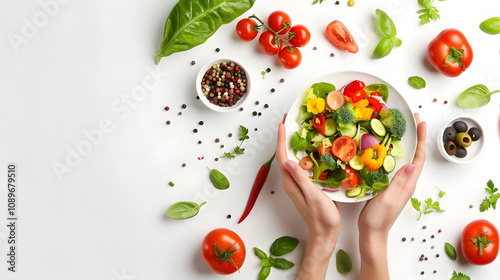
[
  {"x": 218, "y": 179},
  {"x": 416, "y": 82},
  {"x": 455, "y": 56},
  {"x": 264, "y": 272},
  {"x": 298, "y": 143},
  {"x": 171, "y": 183},
  {"x": 441, "y": 193},
  {"x": 344, "y": 263},
  {"x": 184, "y": 210},
  {"x": 387, "y": 29},
  {"x": 192, "y": 22},
  {"x": 395, "y": 122},
  {"x": 381, "y": 88},
  {"x": 475, "y": 96},
  {"x": 450, "y": 250},
  {"x": 259, "y": 253},
  {"x": 459, "y": 276},
  {"x": 430, "y": 206},
  {"x": 428, "y": 12},
  {"x": 284, "y": 245},
  {"x": 283, "y": 264},
  {"x": 385, "y": 24},
  {"x": 383, "y": 48},
  {"x": 491, "y": 200},
  {"x": 491, "y": 26},
  {"x": 345, "y": 114},
  {"x": 322, "y": 89},
  {"x": 304, "y": 115}
]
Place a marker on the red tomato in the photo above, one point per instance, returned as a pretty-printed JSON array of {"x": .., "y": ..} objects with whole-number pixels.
[
  {"x": 344, "y": 148},
  {"x": 306, "y": 163},
  {"x": 220, "y": 246},
  {"x": 480, "y": 242},
  {"x": 301, "y": 35},
  {"x": 340, "y": 36},
  {"x": 319, "y": 123},
  {"x": 279, "y": 19},
  {"x": 324, "y": 175},
  {"x": 353, "y": 87},
  {"x": 267, "y": 43},
  {"x": 440, "y": 49},
  {"x": 290, "y": 58},
  {"x": 351, "y": 180},
  {"x": 322, "y": 150},
  {"x": 245, "y": 29}
]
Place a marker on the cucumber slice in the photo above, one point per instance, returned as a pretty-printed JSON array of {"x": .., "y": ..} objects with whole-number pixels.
[
  {"x": 389, "y": 163},
  {"x": 348, "y": 129},
  {"x": 363, "y": 192},
  {"x": 356, "y": 163},
  {"x": 330, "y": 127},
  {"x": 378, "y": 127},
  {"x": 354, "y": 192}
]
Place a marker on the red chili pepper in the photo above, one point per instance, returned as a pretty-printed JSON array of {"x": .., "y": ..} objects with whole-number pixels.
[{"x": 257, "y": 187}]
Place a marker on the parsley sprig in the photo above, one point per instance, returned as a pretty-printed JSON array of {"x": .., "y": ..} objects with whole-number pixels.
[
  {"x": 459, "y": 276},
  {"x": 490, "y": 201},
  {"x": 430, "y": 206},
  {"x": 428, "y": 12},
  {"x": 238, "y": 150}
]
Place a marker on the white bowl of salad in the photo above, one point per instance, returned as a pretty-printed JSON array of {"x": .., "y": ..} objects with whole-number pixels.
[{"x": 351, "y": 131}]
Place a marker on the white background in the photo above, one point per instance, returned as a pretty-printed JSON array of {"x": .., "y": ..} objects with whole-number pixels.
[{"x": 104, "y": 218}]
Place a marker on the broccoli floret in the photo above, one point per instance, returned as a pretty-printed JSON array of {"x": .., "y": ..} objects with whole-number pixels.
[
  {"x": 345, "y": 114},
  {"x": 395, "y": 122}
]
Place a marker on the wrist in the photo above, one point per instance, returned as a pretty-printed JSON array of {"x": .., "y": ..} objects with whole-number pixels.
[
  {"x": 372, "y": 245},
  {"x": 321, "y": 246}
]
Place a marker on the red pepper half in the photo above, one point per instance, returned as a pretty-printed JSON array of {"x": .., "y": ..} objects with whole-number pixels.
[
  {"x": 353, "y": 87},
  {"x": 257, "y": 187},
  {"x": 319, "y": 123},
  {"x": 375, "y": 105}
]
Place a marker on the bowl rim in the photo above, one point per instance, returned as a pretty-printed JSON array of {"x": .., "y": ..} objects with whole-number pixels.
[
  {"x": 471, "y": 122},
  {"x": 205, "y": 100}
]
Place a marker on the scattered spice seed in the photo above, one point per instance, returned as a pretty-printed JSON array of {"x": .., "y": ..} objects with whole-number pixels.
[
  {"x": 229, "y": 216},
  {"x": 197, "y": 97},
  {"x": 332, "y": 55},
  {"x": 435, "y": 271},
  {"x": 432, "y": 236},
  {"x": 419, "y": 106},
  {"x": 434, "y": 100},
  {"x": 424, "y": 227},
  {"x": 216, "y": 159},
  {"x": 184, "y": 106},
  {"x": 260, "y": 114},
  {"x": 183, "y": 165},
  {"x": 422, "y": 273},
  {"x": 439, "y": 231},
  {"x": 337, "y": 2},
  {"x": 168, "y": 122},
  {"x": 424, "y": 240},
  {"x": 180, "y": 113},
  {"x": 222, "y": 146},
  {"x": 273, "y": 90},
  {"x": 282, "y": 80},
  {"x": 437, "y": 255},
  {"x": 413, "y": 239},
  {"x": 432, "y": 247},
  {"x": 446, "y": 102},
  {"x": 171, "y": 183},
  {"x": 421, "y": 259},
  {"x": 199, "y": 142},
  {"x": 404, "y": 239},
  {"x": 272, "y": 192},
  {"x": 426, "y": 258},
  {"x": 314, "y": 48},
  {"x": 195, "y": 130},
  {"x": 193, "y": 62},
  {"x": 266, "y": 106},
  {"x": 217, "y": 140},
  {"x": 268, "y": 70},
  {"x": 201, "y": 123},
  {"x": 350, "y": 3},
  {"x": 241, "y": 108},
  {"x": 254, "y": 113},
  {"x": 230, "y": 135},
  {"x": 257, "y": 102},
  {"x": 255, "y": 129},
  {"x": 470, "y": 206},
  {"x": 217, "y": 49},
  {"x": 167, "y": 108}
]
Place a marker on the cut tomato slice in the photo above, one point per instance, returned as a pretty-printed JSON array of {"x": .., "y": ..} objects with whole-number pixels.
[
  {"x": 344, "y": 148},
  {"x": 340, "y": 36}
]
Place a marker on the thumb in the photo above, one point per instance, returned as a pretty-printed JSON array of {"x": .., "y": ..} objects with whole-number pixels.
[{"x": 399, "y": 181}]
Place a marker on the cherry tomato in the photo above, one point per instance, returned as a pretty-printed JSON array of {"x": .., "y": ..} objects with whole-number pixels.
[
  {"x": 344, "y": 148},
  {"x": 245, "y": 29},
  {"x": 440, "y": 49},
  {"x": 290, "y": 58},
  {"x": 324, "y": 175},
  {"x": 322, "y": 150},
  {"x": 340, "y": 36},
  {"x": 353, "y": 87},
  {"x": 480, "y": 242},
  {"x": 220, "y": 246},
  {"x": 301, "y": 35},
  {"x": 306, "y": 163},
  {"x": 335, "y": 100},
  {"x": 319, "y": 123},
  {"x": 267, "y": 43},
  {"x": 351, "y": 180},
  {"x": 279, "y": 19}
]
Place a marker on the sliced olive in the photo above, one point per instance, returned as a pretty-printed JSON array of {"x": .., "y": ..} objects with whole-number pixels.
[
  {"x": 450, "y": 148},
  {"x": 460, "y": 126},
  {"x": 450, "y": 134},
  {"x": 463, "y": 139},
  {"x": 461, "y": 152},
  {"x": 475, "y": 133}
]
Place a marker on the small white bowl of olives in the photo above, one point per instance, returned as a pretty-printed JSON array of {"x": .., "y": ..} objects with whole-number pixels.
[{"x": 461, "y": 140}]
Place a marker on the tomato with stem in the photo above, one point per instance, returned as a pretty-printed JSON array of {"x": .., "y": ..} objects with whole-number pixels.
[
  {"x": 279, "y": 21},
  {"x": 299, "y": 35},
  {"x": 450, "y": 52},
  {"x": 247, "y": 29},
  {"x": 290, "y": 58},
  {"x": 480, "y": 242},
  {"x": 269, "y": 43},
  {"x": 223, "y": 251}
]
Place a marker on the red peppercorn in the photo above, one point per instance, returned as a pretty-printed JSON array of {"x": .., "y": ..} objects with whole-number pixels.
[
  {"x": 211, "y": 101},
  {"x": 237, "y": 91},
  {"x": 237, "y": 68},
  {"x": 228, "y": 68}
]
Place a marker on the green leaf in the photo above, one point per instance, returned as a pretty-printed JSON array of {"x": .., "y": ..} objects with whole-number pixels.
[
  {"x": 459, "y": 276},
  {"x": 303, "y": 115},
  {"x": 383, "y": 48},
  {"x": 321, "y": 90},
  {"x": 238, "y": 151},
  {"x": 344, "y": 263},
  {"x": 450, "y": 250},
  {"x": 385, "y": 24},
  {"x": 243, "y": 133},
  {"x": 491, "y": 186},
  {"x": 284, "y": 245},
  {"x": 382, "y": 89},
  {"x": 259, "y": 253},
  {"x": 218, "y": 179},
  {"x": 265, "y": 262},
  {"x": 228, "y": 155},
  {"x": 441, "y": 193},
  {"x": 416, "y": 82},
  {"x": 264, "y": 272},
  {"x": 491, "y": 26},
  {"x": 415, "y": 203},
  {"x": 283, "y": 264},
  {"x": 429, "y": 12},
  {"x": 485, "y": 205},
  {"x": 183, "y": 210},
  {"x": 455, "y": 56},
  {"x": 475, "y": 97},
  {"x": 397, "y": 42},
  {"x": 298, "y": 143},
  {"x": 425, "y": 3},
  {"x": 192, "y": 22}
]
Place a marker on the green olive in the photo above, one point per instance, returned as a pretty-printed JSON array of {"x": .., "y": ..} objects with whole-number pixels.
[
  {"x": 450, "y": 148},
  {"x": 463, "y": 139}
]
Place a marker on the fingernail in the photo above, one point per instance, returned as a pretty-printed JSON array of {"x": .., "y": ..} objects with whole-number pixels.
[
  {"x": 289, "y": 165},
  {"x": 409, "y": 169}
]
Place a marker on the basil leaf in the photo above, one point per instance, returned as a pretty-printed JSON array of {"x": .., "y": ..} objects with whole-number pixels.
[
  {"x": 298, "y": 143},
  {"x": 259, "y": 253},
  {"x": 382, "y": 89},
  {"x": 183, "y": 210},
  {"x": 385, "y": 24},
  {"x": 192, "y": 22},
  {"x": 450, "y": 250},
  {"x": 475, "y": 97},
  {"x": 383, "y": 48},
  {"x": 264, "y": 272},
  {"x": 283, "y": 264},
  {"x": 265, "y": 262},
  {"x": 284, "y": 245},
  {"x": 344, "y": 264},
  {"x": 321, "y": 90},
  {"x": 416, "y": 82},
  {"x": 491, "y": 26},
  {"x": 218, "y": 179}
]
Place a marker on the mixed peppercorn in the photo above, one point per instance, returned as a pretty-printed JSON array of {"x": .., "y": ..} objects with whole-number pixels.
[{"x": 224, "y": 84}]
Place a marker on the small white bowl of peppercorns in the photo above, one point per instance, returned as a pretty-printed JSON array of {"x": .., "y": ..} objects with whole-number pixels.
[
  {"x": 223, "y": 85},
  {"x": 461, "y": 140}
]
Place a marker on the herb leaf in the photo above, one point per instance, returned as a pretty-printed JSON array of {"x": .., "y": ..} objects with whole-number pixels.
[
  {"x": 450, "y": 250},
  {"x": 299, "y": 143},
  {"x": 430, "y": 206},
  {"x": 385, "y": 24},
  {"x": 428, "y": 12},
  {"x": 243, "y": 133},
  {"x": 490, "y": 201},
  {"x": 183, "y": 210},
  {"x": 259, "y": 253},
  {"x": 264, "y": 272},
  {"x": 475, "y": 96},
  {"x": 387, "y": 29},
  {"x": 416, "y": 82},
  {"x": 491, "y": 26},
  {"x": 441, "y": 193},
  {"x": 218, "y": 179},
  {"x": 383, "y": 48},
  {"x": 238, "y": 150},
  {"x": 283, "y": 264},
  {"x": 284, "y": 245},
  {"x": 459, "y": 276},
  {"x": 344, "y": 263}
]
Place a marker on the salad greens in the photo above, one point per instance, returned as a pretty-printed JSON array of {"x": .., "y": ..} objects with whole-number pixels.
[
  {"x": 218, "y": 179},
  {"x": 475, "y": 97},
  {"x": 491, "y": 26},
  {"x": 280, "y": 246},
  {"x": 428, "y": 12},
  {"x": 387, "y": 29},
  {"x": 344, "y": 263},
  {"x": 382, "y": 89},
  {"x": 416, "y": 82},
  {"x": 184, "y": 210}
]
